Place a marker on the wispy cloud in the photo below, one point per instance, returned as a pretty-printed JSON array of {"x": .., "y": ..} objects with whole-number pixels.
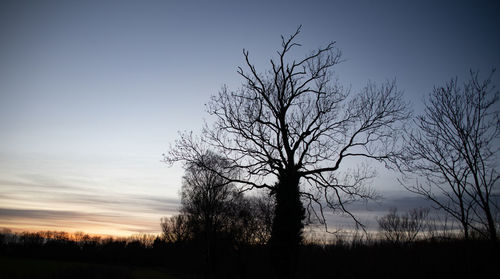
[
  {"x": 103, "y": 223},
  {"x": 32, "y": 201},
  {"x": 51, "y": 202},
  {"x": 367, "y": 213}
]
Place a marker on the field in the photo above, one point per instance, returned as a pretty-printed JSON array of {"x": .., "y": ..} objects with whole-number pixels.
[
  {"x": 425, "y": 259},
  {"x": 20, "y": 267}
]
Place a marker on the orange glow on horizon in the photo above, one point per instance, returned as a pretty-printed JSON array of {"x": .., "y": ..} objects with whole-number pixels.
[
  {"x": 105, "y": 226},
  {"x": 71, "y": 232}
]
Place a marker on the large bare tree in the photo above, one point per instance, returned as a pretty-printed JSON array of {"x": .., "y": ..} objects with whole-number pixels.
[
  {"x": 454, "y": 149},
  {"x": 290, "y": 129}
]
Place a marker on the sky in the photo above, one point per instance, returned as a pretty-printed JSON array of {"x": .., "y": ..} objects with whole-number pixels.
[{"x": 93, "y": 92}]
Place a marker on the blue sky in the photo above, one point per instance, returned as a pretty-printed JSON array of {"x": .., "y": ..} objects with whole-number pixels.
[{"x": 93, "y": 92}]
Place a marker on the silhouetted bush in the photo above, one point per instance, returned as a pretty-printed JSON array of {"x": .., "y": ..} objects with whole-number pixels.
[{"x": 404, "y": 227}]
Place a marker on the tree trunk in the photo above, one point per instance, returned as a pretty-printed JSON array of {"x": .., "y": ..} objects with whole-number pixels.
[
  {"x": 491, "y": 223},
  {"x": 484, "y": 204},
  {"x": 465, "y": 226},
  {"x": 286, "y": 234},
  {"x": 464, "y": 218}
]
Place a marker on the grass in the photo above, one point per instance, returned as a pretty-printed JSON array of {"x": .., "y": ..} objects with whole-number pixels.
[{"x": 13, "y": 267}]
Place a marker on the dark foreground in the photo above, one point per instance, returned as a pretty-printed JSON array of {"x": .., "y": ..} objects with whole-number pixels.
[
  {"x": 429, "y": 259},
  {"x": 23, "y": 267}
]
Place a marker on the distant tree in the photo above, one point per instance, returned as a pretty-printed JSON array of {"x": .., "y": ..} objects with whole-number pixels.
[
  {"x": 146, "y": 240},
  {"x": 262, "y": 209},
  {"x": 208, "y": 202},
  {"x": 290, "y": 129},
  {"x": 175, "y": 228},
  {"x": 32, "y": 239},
  {"x": 5, "y": 236},
  {"x": 454, "y": 150},
  {"x": 207, "y": 197},
  {"x": 250, "y": 220},
  {"x": 400, "y": 228},
  {"x": 441, "y": 227},
  {"x": 78, "y": 236}
]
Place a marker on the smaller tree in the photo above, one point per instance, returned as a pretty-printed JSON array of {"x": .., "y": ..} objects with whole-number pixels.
[
  {"x": 454, "y": 150},
  {"x": 207, "y": 199},
  {"x": 175, "y": 228},
  {"x": 405, "y": 227},
  {"x": 215, "y": 215},
  {"x": 206, "y": 196},
  {"x": 251, "y": 221},
  {"x": 263, "y": 211}
]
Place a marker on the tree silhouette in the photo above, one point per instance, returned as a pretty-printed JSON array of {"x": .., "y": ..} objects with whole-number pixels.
[
  {"x": 401, "y": 228},
  {"x": 207, "y": 201},
  {"x": 175, "y": 228},
  {"x": 290, "y": 129},
  {"x": 454, "y": 149},
  {"x": 215, "y": 217}
]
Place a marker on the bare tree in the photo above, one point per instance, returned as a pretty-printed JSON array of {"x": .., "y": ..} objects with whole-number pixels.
[
  {"x": 175, "y": 228},
  {"x": 454, "y": 148},
  {"x": 263, "y": 212},
  {"x": 291, "y": 128},
  {"x": 251, "y": 221},
  {"x": 207, "y": 199},
  {"x": 400, "y": 228}
]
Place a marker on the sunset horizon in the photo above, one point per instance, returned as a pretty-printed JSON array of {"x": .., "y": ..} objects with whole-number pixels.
[
  {"x": 249, "y": 139},
  {"x": 93, "y": 93}
]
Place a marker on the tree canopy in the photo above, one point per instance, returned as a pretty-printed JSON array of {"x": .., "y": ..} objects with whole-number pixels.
[{"x": 297, "y": 117}]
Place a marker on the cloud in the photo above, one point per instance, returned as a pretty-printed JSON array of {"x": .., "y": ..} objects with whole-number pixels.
[
  {"x": 103, "y": 223},
  {"x": 42, "y": 202},
  {"x": 9, "y": 213},
  {"x": 368, "y": 212},
  {"x": 30, "y": 196},
  {"x": 47, "y": 189}
]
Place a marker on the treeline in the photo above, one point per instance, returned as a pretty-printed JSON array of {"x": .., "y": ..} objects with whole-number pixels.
[
  {"x": 78, "y": 238},
  {"x": 353, "y": 255},
  {"x": 76, "y": 246}
]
